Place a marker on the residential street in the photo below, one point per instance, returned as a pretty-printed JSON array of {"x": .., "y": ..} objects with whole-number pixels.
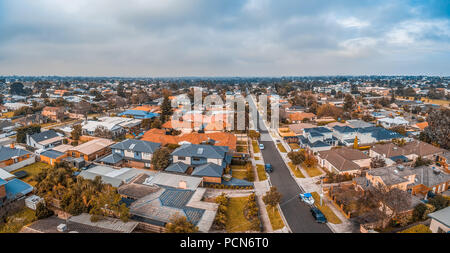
[{"x": 296, "y": 213}]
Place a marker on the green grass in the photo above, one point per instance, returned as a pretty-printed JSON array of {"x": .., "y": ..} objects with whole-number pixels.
[
  {"x": 14, "y": 223},
  {"x": 257, "y": 158},
  {"x": 326, "y": 210},
  {"x": 33, "y": 169},
  {"x": 297, "y": 172},
  {"x": 312, "y": 171},
  {"x": 281, "y": 148},
  {"x": 8, "y": 115},
  {"x": 261, "y": 172},
  {"x": 275, "y": 218},
  {"x": 235, "y": 214},
  {"x": 255, "y": 147},
  {"x": 417, "y": 229}
]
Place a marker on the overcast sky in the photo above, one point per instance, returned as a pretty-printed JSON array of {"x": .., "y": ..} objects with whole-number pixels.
[{"x": 157, "y": 38}]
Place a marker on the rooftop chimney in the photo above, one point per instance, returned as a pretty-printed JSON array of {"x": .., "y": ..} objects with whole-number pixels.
[{"x": 182, "y": 184}]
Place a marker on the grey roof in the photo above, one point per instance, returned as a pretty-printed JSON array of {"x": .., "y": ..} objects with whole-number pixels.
[
  {"x": 52, "y": 154},
  {"x": 199, "y": 150},
  {"x": 38, "y": 137},
  {"x": 80, "y": 224},
  {"x": 112, "y": 158},
  {"x": 137, "y": 145},
  {"x": 356, "y": 123},
  {"x": 5, "y": 123},
  {"x": 165, "y": 203},
  {"x": 178, "y": 167},
  {"x": 208, "y": 170},
  {"x": 430, "y": 176},
  {"x": 6, "y": 153},
  {"x": 443, "y": 216}
]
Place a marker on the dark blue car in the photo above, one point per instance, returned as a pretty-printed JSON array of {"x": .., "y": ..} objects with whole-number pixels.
[{"x": 318, "y": 215}]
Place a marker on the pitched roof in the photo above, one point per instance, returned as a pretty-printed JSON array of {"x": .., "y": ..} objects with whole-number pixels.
[
  {"x": 137, "y": 145},
  {"x": 38, "y": 137},
  {"x": 52, "y": 154},
  {"x": 205, "y": 151},
  {"x": 7, "y": 153},
  {"x": 112, "y": 158},
  {"x": 421, "y": 148},
  {"x": 178, "y": 167},
  {"x": 338, "y": 161},
  {"x": 443, "y": 216},
  {"x": 298, "y": 116},
  {"x": 93, "y": 146},
  {"x": 208, "y": 170}
]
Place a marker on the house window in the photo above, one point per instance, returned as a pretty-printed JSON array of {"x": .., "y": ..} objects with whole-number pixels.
[
  {"x": 147, "y": 165},
  {"x": 196, "y": 159},
  {"x": 182, "y": 158}
]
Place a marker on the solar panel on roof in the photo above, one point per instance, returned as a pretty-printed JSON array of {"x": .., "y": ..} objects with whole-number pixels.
[
  {"x": 132, "y": 146},
  {"x": 200, "y": 151}
]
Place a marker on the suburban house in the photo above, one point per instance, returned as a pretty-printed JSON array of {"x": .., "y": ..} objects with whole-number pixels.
[
  {"x": 298, "y": 117},
  {"x": 54, "y": 113},
  {"x": 444, "y": 160},
  {"x": 217, "y": 139},
  {"x": 11, "y": 155},
  {"x": 409, "y": 152},
  {"x": 32, "y": 119},
  {"x": 139, "y": 114},
  {"x": 79, "y": 224},
  {"x": 392, "y": 122},
  {"x": 52, "y": 157},
  {"x": 154, "y": 200},
  {"x": 131, "y": 153},
  {"x": 45, "y": 140},
  {"x": 208, "y": 161},
  {"x": 317, "y": 139},
  {"x": 13, "y": 189},
  {"x": 440, "y": 221},
  {"x": 92, "y": 149},
  {"x": 6, "y": 128},
  {"x": 366, "y": 135},
  {"x": 417, "y": 181},
  {"x": 343, "y": 160},
  {"x": 89, "y": 127}
]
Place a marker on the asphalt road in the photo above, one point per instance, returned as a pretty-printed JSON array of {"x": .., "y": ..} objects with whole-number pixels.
[{"x": 297, "y": 213}]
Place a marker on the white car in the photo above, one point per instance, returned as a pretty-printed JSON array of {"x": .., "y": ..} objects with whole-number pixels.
[
  {"x": 307, "y": 198},
  {"x": 261, "y": 146}
]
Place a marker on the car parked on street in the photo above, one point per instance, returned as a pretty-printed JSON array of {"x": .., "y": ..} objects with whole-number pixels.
[
  {"x": 318, "y": 215},
  {"x": 307, "y": 198},
  {"x": 261, "y": 146},
  {"x": 268, "y": 168}
]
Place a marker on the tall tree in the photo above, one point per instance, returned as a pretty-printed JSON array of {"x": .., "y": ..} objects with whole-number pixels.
[
  {"x": 438, "y": 130},
  {"x": 166, "y": 109},
  {"x": 161, "y": 159}
]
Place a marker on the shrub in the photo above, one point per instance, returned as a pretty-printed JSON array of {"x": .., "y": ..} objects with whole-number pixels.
[{"x": 42, "y": 211}]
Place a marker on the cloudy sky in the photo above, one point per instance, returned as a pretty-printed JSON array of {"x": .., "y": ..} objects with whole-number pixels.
[{"x": 157, "y": 38}]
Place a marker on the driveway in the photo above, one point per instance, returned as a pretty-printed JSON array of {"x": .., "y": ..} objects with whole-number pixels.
[{"x": 296, "y": 213}]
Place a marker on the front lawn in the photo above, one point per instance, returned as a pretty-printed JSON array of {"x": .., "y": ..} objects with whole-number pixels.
[
  {"x": 312, "y": 171},
  {"x": 14, "y": 223},
  {"x": 261, "y": 172},
  {"x": 297, "y": 172},
  {"x": 239, "y": 171},
  {"x": 326, "y": 210},
  {"x": 257, "y": 158},
  {"x": 275, "y": 218},
  {"x": 236, "y": 222},
  {"x": 281, "y": 148},
  {"x": 255, "y": 147},
  {"x": 417, "y": 229},
  {"x": 32, "y": 170}
]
